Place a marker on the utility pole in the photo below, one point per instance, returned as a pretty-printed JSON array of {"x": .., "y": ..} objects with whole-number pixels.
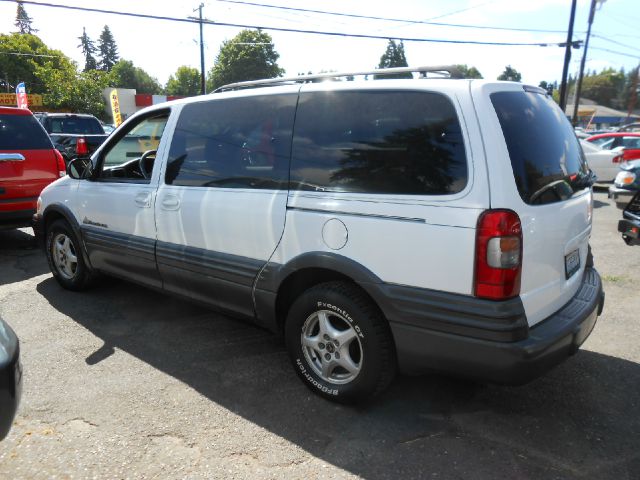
[
  {"x": 592, "y": 12},
  {"x": 202, "y": 80},
  {"x": 567, "y": 58}
]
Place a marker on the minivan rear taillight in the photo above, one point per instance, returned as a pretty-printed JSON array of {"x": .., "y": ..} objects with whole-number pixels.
[
  {"x": 62, "y": 167},
  {"x": 81, "y": 147},
  {"x": 498, "y": 255}
]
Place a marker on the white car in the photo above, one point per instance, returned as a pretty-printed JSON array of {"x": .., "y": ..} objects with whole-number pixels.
[
  {"x": 413, "y": 224},
  {"x": 604, "y": 163}
]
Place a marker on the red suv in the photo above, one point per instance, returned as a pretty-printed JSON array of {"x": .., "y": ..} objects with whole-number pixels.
[{"x": 28, "y": 163}]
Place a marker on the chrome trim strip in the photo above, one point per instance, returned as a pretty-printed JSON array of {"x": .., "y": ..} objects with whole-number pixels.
[{"x": 353, "y": 214}]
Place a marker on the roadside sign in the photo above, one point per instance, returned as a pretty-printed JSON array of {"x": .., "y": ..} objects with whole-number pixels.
[
  {"x": 115, "y": 107},
  {"x": 9, "y": 100},
  {"x": 21, "y": 96}
]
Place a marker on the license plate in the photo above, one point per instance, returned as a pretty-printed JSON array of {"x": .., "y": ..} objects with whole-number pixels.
[{"x": 572, "y": 263}]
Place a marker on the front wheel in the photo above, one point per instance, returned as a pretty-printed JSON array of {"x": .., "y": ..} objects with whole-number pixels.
[
  {"x": 65, "y": 257},
  {"x": 339, "y": 343}
]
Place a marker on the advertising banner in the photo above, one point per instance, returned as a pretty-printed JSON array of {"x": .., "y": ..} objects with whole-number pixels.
[
  {"x": 115, "y": 107},
  {"x": 21, "y": 96},
  {"x": 9, "y": 100}
]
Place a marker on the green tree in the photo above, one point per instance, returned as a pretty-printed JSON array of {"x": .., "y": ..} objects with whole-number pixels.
[
  {"x": 108, "y": 50},
  {"x": 604, "y": 87},
  {"x": 73, "y": 91},
  {"x": 394, "y": 57},
  {"x": 186, "y": 82},
  {"x": 88, "y": 50},
  {"x": 23, "y": 20},
  {"x": 468, "y": 72},
  {"x": 250, "y": 55},
  {"x": 32, "y": 53},
  {"x": 510, "y": 74},
  {"x": 125, "y": 74}
]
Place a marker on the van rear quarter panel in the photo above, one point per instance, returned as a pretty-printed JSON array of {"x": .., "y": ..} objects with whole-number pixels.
[
  {"x": 550, "y": 231},
  {"x": 415, "y": 240}
]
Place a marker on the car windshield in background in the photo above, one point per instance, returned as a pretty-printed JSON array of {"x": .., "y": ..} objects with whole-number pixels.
[
  {"x": 74, "y": 125},
  {"x": 548, "y": 163},
  {"x": 22, "y": 132}
]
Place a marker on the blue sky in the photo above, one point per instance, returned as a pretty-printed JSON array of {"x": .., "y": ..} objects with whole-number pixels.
[{"x": 160, "y": 47}]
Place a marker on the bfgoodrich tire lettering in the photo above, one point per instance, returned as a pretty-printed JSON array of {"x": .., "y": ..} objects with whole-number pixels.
[
  {"x": 339, "y": 343},
  {"x": 65, "y": 257}
]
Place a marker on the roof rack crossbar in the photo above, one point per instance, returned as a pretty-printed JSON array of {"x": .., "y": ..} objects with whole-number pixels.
[{"x": 445, "y": 71}]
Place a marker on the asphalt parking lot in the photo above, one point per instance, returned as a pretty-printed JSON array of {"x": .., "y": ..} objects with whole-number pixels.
[{"x": 124, "y": 382}]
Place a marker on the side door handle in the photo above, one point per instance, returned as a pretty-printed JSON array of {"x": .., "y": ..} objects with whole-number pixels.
[
  {"x": 11, "y": 157},
  {"x": 143, "y": 199},
  {"x": 170, "y": 202}
]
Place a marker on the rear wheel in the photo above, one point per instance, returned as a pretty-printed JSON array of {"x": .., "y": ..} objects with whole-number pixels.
[
  {"x": 65, "y": 257},
  {"x": 339, "y": 343}
]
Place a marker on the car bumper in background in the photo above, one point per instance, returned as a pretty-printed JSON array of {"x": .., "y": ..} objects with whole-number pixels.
[
  {"x": 620, "y": 195},
  {"x": 547, "y": 344},
  {"x": 10, "y": 377}
]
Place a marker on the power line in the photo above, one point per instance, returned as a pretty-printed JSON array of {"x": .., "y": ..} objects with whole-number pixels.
[
  {"x": 613, "y": 41},
  {"x": 29, "y": 54},
  {"x": 401, "y": 20},
  {"x": 637, "y": 57},
  {"x": 282, "y": 29}
]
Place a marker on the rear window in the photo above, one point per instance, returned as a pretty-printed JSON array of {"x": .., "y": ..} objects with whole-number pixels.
[
  {"x": 378, "y": 142},
  {"x": 22, "y": 132},
  {"x": 548, "y": 163},
  {"x": 74, "y": 125}
]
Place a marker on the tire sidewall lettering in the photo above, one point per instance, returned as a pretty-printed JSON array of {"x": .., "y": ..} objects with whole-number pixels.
[
  {"x": 342, "y": 312},
  {"x": 312, "y": 380}
]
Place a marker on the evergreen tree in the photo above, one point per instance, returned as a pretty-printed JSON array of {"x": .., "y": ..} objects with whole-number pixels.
[
  {"x": 24, "y": 21},
  {"x": 88, "y": 50},
  {"x": 468, "y": 72},
  {"x": 107, "y": 49},
  {"x": 394, "y": 57}
]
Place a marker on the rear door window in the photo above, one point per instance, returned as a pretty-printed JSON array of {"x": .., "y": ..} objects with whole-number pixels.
[
  {"x": 383, "y": 142},
  {"x": 22, "y": 132},
  {"x": 548, "y": 163},
  {"x": 242, "y": 142},
  {"x": 74, "y": 125}
]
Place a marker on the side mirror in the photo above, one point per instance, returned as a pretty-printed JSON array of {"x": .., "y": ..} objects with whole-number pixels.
[{"x": 80, "y": 168}]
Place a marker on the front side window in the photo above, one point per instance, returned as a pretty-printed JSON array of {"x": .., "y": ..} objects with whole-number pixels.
[
  {"x": 242, "y": 142},
  {"x": 547, "y": 161},
  {"x": 392, "y": 142},
  {"x": 132, "y": 156}
]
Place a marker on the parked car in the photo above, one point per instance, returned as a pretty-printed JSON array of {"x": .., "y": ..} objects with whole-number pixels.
[
  {"x": 423, "y": 224},
  {"x": 74, "y": 135},
  {"x": 629, "y": 226},
  {"x": 627, "y": 143},
  {"x": 626, "y": 183},
  {"x": 631, "y": 127},
  {"x": 28, "y": 163},
  {"x": 10, "y": 377},
  {"x": 604, "y": 163}
]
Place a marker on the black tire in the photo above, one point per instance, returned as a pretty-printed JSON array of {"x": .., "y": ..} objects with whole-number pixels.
[
  {"x": 370, "y": 347},
  {"x": 75, "y": 275}
]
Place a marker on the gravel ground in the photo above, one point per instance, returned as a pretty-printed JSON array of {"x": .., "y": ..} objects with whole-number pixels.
[{"x": 123, "y": 382}]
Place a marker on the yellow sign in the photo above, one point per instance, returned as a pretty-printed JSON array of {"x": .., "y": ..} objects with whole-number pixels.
[
  {"x": 9, "y": 100},
  {"x": 115, "y": 107}
]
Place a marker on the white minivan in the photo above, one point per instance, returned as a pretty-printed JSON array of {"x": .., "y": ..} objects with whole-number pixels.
[{"x": 426, "y": 224}]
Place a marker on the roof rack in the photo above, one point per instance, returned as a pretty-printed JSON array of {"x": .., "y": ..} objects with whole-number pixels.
[{"x": 443, "y": 71}]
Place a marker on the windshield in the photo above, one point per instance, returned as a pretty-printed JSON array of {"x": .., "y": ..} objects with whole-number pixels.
[{"x": 548, "y": 163}]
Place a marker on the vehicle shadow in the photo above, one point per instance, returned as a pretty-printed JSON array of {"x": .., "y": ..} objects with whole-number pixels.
[
  {"x": 579, "y": 421},
  {"x": 17, "y": 259}
]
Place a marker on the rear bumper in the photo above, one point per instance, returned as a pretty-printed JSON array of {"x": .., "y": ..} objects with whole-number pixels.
[
  {"x": 546, "y": 345},
  {"x": 630, "y": 230},
  {"x": 10, "y": 377}
]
